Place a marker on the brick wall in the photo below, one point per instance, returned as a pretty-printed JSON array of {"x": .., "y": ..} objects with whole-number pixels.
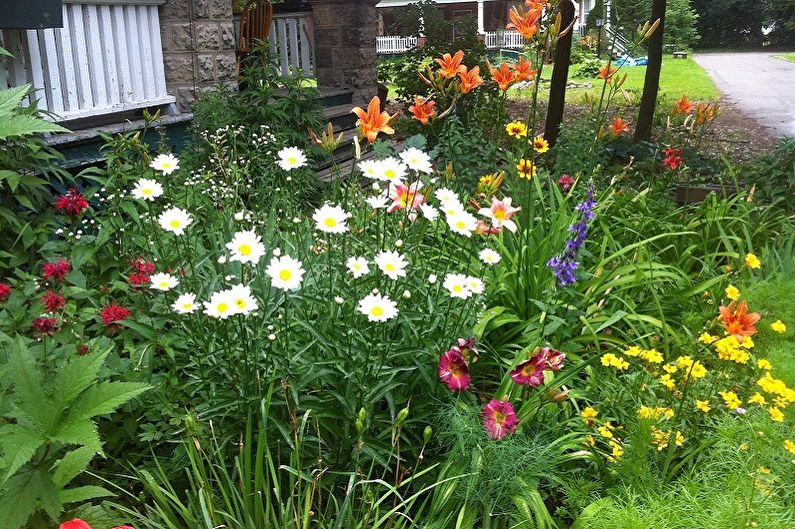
[{"x": 198, "y": 47}]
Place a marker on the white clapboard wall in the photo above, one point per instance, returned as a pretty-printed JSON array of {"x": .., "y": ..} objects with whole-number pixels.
[
  {"x": 290, "y": 42},
  {"x": 105, "y": 59}
]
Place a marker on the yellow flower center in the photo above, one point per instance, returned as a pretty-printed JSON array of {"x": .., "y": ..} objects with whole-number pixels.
[
  {"x": 330, "y": 222},
  {"x": 377, "y": 311},
  {"x": 245, "y": 249},
  {"x": 164, "y": 284},
  {"x": 500, "y": 214},
  {"x": 187, "y": 306},
  {"x": 389, "y": 267},
  {"x": 222, "y": 307},
  {"x": 285, "y": 275},
  {"x": 147, "y": 191},
  {"x": 390, "y": 173},
  {"x": 292, "y": 160},
  {"x": 175, "y": 223},
  {"x": 461, "y": 225},
  {"x": 458, "y": 288},
  {"x": 240, "y": 302}
]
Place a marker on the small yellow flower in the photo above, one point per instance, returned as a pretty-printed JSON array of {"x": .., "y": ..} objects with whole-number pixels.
[
  {"x": 517, "y": 129},
  {"x": 765, "y": 364},
  {"x": 778, "y": 326},
  {"x": 670, "y": 368},
  {"x": 728, "y": 269},
  {"x": 789, "y": 446},
  {"x": 705, "y": 294},
  {"x": 698, "y": 370},
  {"x": 776, "y": 415},
  {"x": 526, "y": 169},
  {"x": 732, "y": 292},
  {"x": 605, "y": 432},
  {"x": 743, "y": 446},
  {"x": 703, "y": 405},
  {"x": 752, "y": 261},
  {"x": 763, "y": 470},
  {"x": 617, "y": 450},
  {"x": 684, "y": 362},
  {"x": 633, "y": 351},
  {"x": 731, "y": 399},
  {"x": 680, "y": 439},
  {"x": 668, "y": 382},
  {"x": 590, "y": 440},
  {"x": 540, "y": 144},
  {"x": 707, "y": 338},
  {"x": 589, "y": 413},
  {"x": 757, "y": 398}
]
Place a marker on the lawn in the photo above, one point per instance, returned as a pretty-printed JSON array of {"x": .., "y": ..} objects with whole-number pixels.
[{"x": 787, "y": 56}]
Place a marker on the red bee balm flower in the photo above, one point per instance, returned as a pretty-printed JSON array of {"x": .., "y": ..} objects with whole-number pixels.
[
  {"x": 454, "y": 370},
  {"x": 72, "y": 203},
  {"x": 530, "y": 372},
  {"x": 44, "y": 326},
  {"x": 143, "y": 266},
  {"x": 738, "y": 321},
  {"x": 56, "y": 270},
  {"x": 5, "y": 291},
  {"x": 499, "y": 419},
  {"x": 53, "y": 301},
  {"x": 114, "y": 313}
]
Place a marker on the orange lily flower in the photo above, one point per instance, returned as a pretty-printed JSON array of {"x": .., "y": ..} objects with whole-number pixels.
[
  {"x": 451, "y": 65},
  {"x": 374, "y": 120},
  {"x": 503, "y": 75},
  {"x": 738, "y": 321},
  {"x": 524, "y": 23},
  {"x": 470, "y": 79},
  {"x": 706, "y": 112},
  {"x": 523, "y": 70},
  {"x": 607, "y": 72},
  {"x": 422, "y": 110},
  {"x": 683, "y": 106},
  {"x": 619, "y": 126}
]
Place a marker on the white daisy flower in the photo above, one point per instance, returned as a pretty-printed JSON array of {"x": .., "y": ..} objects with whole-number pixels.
[
  {"x": 457, "y": 285},
  {"x": 417, "y": 160},
  {"x": 462, "y": 223},
  {"x": 240, "y": 215},
  {"x": 285, "y": 272},
  {"x": 391, "y": 170},
  {"x": 165, "y": 163},
  {"x": 185, "y": 304},
  {"x": 357, "y": 266},
  {"x": 246, "y": 247},
  {"x": 221, "y": 305},
  {"x": 489, "y": 256},
  {"x": 175, "y": 220},
  {"x": 475, "y": 285},
  {"x": 452, "y": 207},
  {"x": 291, "y": 158},
  {"x": 244, "y": 301},
  {"x": 146, "y": 189},
  {"x": 445, "y": 195},
  {"x": 378, "y": 201},
  {"x": 377, "y": 307},
  {"x": 392, "y": 264},
  {"x": 369, "y": 168},
  {"x": 432, "y": 279},
  {"x": 429, "y": 212},
  {"x": 162, "y": 281},
  {"x": 331, "y": 219}
]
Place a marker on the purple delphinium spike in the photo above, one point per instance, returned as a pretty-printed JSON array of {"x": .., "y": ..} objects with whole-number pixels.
[{"x": 564, "y": 266}]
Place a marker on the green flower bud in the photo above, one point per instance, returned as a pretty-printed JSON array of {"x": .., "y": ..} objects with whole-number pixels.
[
  {"x": 426, "y": 435},
  {"x": 362, "y": 414},
  {"x": 359, "y": 426},
  {"x": 401, "y": 416}
]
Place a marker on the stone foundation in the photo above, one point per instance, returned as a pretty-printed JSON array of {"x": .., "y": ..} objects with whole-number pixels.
[{"x": 198, "y": 47}]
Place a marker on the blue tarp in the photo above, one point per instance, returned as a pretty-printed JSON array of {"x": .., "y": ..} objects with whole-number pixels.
[{"x": 629, "y": 61}]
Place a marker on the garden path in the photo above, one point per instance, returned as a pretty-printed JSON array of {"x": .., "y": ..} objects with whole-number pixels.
[{"x": 761, "y": 85}]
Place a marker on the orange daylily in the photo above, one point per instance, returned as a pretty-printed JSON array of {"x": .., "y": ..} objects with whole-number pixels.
[
  {"x": 683, "y": 106},
  {"x": 470, "y": 79},
  {"x": 450, "y": 66},
  {"x": 706, "y": 112},
  {"x": 374, "y": 120},
  {"x": 607, "y": 72},
  {"x": 503, "y": 75},
  {"x": 738, "y": 321},
  {"x": 422, "y": 110},
  {"x": 536, "y": 4},
  {"x": 619, "y": 126},
  {"x": 523, "y": 70},
  {"x": 524, "y": 23}
]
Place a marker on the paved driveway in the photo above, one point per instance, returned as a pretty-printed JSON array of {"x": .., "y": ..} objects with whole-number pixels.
[{"x": 762, "y": 86}]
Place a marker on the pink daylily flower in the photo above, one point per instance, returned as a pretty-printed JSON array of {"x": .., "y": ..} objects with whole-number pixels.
[
  {"x": 500, "y": 213},
  {"x": 499, "y": 418}
]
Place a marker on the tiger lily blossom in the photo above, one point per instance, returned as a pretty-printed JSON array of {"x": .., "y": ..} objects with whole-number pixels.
[
  {"x": 525, "y": 23},
  {"x": 737, "y": 321},
  {"x": 470, "y": 79},
  {"x": 450, "y": 66},
  {"x": 422, "y": 110},
  {"x": 374, "y": 120},
  {"x": 523, "y": 70},
  {"x": 619, "y": 126},
  {"x": 503, "y": 75}
]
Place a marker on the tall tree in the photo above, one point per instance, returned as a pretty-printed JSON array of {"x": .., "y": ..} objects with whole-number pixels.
[
  {"x": 651, "y": 84},
  {"x": 560, "y": 75}
]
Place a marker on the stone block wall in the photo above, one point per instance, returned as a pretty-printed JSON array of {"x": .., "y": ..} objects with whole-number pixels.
[
  {"x": 198, "y": 47},
  {"x": 345, "y": 32}
]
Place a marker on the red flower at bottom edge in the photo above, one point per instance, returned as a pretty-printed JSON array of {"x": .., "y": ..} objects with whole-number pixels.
[
  {"x": 75, "y": 523},
  {"x": 673, "y": 158}
]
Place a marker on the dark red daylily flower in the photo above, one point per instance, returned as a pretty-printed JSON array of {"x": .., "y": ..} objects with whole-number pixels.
[
  {"x": 530, "y": 372},
  {"x": 454, "y": 370},
  {"x": 499, "y": 418}
]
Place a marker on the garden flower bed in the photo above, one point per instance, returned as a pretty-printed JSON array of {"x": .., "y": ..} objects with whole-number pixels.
[{"x": 216, "y": 340}]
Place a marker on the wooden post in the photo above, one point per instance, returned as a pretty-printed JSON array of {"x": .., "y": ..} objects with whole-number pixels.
[
  {"x": 560, "y": 75},
  {"x": 651, "y": 84}
]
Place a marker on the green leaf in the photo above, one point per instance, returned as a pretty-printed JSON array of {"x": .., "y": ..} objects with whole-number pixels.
[
  {"x": 77, "y": 375},
  {"x": 19, "y": 498},
  {"x": 72, "y": 465},
  {"x": 10, "y": 99},
  {"x": 84, "y": 493},
  {"x": 82, "y": 433},
  {"x": 18, "y": 444},
  {"x": 12, "y": 177},
  {"x": 22, "y": 125},
  {"x": 28, "y": 393},
  {"x": 104, "y": 398}
]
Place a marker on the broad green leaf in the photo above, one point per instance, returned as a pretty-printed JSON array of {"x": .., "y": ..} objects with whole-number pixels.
[
  {"x": 18, "y": 444},
  {"x": 104, "y": 398},
  {"x": 10, "y": 99},
  {"x": 76, "y": 376},
  {"x": 28, "y": 393},
  {"x": 72, "y": 464},
  {"x": 19, "y": 498},
  {"x": 83, "y": 433},
  {"x": 82, "y": 494},
  {"x": 21, "y": 125}
]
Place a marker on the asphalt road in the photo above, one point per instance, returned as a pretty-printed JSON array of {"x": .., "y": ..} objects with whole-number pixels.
[{"x": 760, "y": 85}]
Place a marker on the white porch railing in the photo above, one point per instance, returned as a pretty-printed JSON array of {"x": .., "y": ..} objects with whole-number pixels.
[
  {"x": 106, "y": 58},
  {"x": 392, "y": 45},
  {"x": 290, "y": 42},
  {"x": 511, "y": 40}
]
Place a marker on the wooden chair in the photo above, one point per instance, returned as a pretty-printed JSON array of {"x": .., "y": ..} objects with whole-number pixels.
[{"x": 255, "y": 24}]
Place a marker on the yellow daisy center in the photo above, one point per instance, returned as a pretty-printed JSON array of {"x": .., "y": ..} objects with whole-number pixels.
[
  {"x": 285, "y": 275},
  {"x": 377, "y": 311},
  {"x": 292, "y": 160},
  {"x": 390, "y": 173},
  {"x": 389, "y": 267},
  {"x": 245, "y": 249},
  {"x": 240, "y": 302},
  {"x": 222, "y": 307},
  {"x": 164, "y": 284},
  {"x": 175, "y": 223},
  {"x": 460, "y": 225},
  {"x": 458, "y": 288},
  {"x": 330, "y": 222},
  {"x": 187, "y": 306},
  {"x": 147, "y": 191}
]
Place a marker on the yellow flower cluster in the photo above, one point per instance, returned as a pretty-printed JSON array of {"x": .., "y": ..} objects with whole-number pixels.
[
  {"x": 789, "y": 446},
  {"x": 694, "y": 369},
  {"x": 778, "y": 390},
  {"x": 645, "y": 412},
  {"x": 730, "y": 348},
  {"x": 778, "y": 326},
  {"x": 611, "y": 360},
  {"x": 703, "y": 405},
  {"x": 731, "y": 399},
  {"x": 732, "y": 292},
  {"x": 752, "y": 261},
  {"x": 661, "y": 438},
  {"x": 589, "y": 414}
]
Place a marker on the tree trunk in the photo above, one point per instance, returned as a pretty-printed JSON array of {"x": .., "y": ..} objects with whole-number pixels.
[
  {"x": 560, "y": 76},
  {"x": 651, "y": 84}
]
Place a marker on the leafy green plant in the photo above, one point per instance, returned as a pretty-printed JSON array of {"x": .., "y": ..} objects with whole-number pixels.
[{"x": 48, "y": 432}]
